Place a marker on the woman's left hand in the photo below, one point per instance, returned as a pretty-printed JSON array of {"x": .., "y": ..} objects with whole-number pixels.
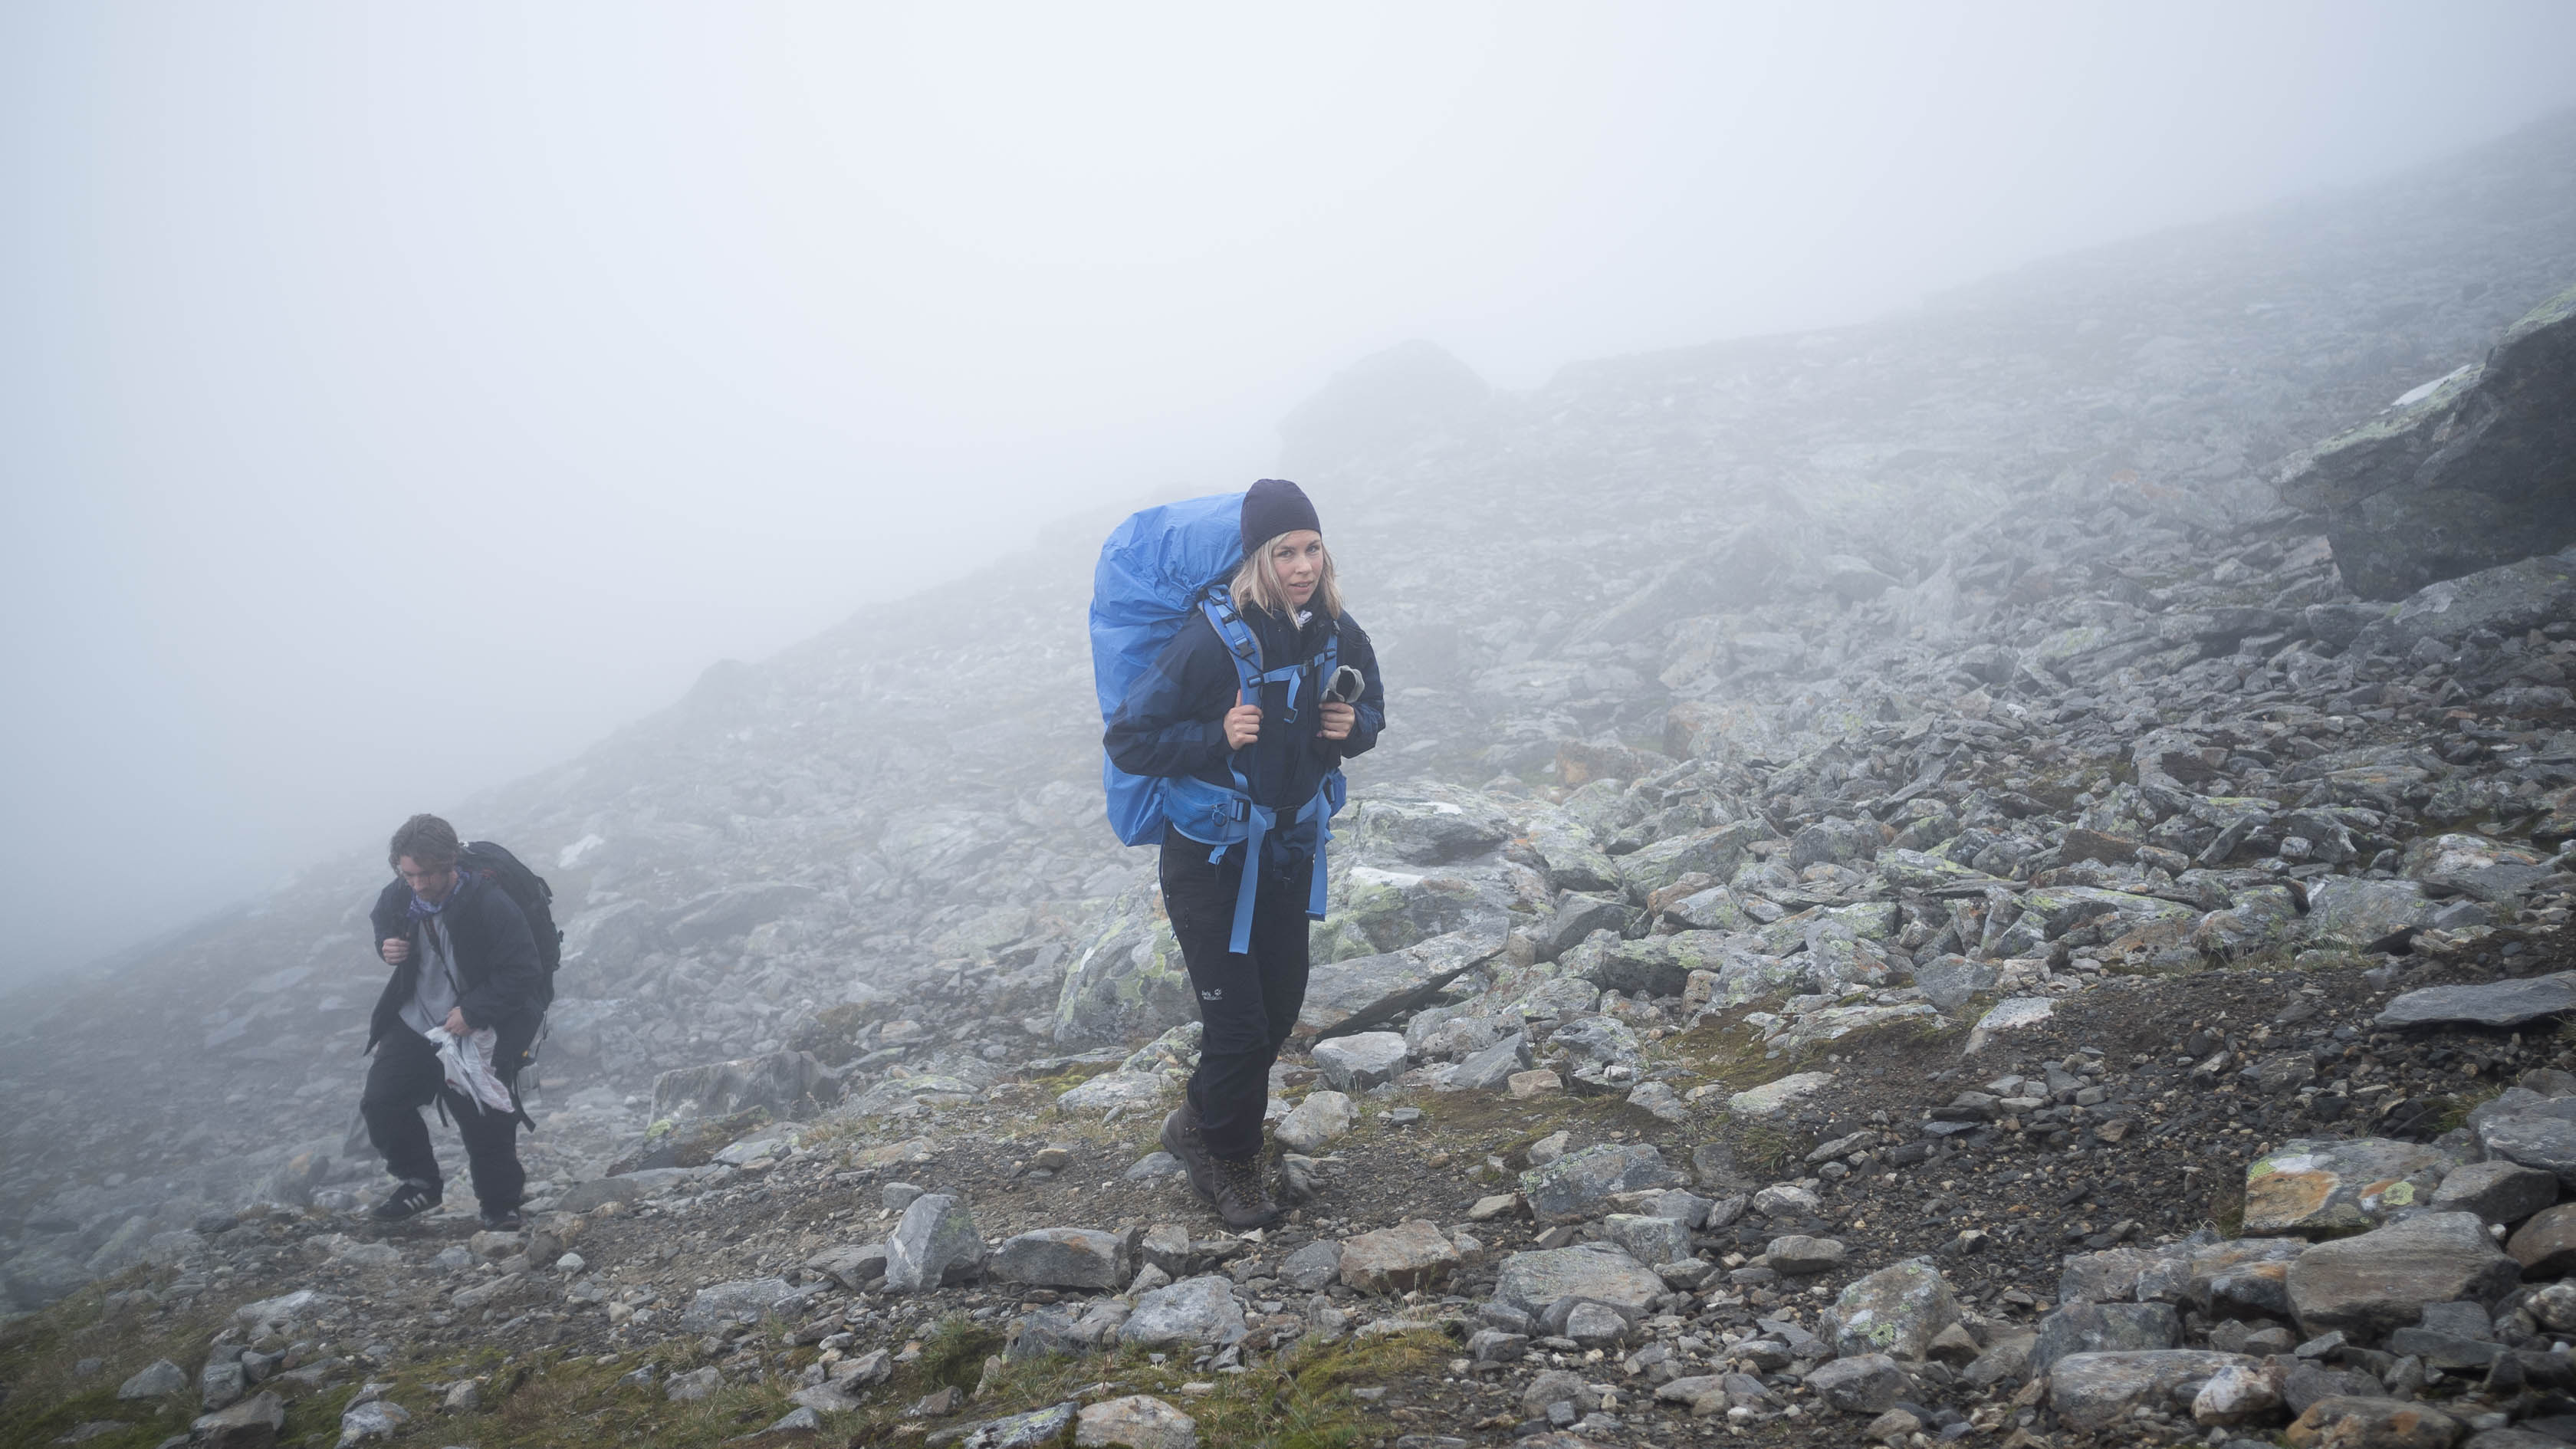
[{"x": 1337, "y": 722}]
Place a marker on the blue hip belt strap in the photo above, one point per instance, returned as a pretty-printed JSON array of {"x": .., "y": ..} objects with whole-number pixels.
[{"x": 1222, "y": 819}]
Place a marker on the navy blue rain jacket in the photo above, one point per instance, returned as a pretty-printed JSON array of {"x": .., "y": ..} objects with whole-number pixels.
[{"x": 1173, "y": 719}]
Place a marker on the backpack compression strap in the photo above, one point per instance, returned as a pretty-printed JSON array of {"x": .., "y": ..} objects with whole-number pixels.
[{"x": 1257, "y": 821}]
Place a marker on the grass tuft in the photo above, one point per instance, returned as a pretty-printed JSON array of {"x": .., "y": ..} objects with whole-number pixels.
[
  {"x": 2457, "y": 1106},
  {"x": 47, "y": 1398},
  {"x": 953, "y": 1353},
  {"x": 1769, "y": 1149}
]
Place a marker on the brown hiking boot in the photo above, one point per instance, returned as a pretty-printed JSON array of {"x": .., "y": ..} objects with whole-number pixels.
[
  {"x": 1242, "y": 1197},
  {"x": 1181, "y": 1139}
]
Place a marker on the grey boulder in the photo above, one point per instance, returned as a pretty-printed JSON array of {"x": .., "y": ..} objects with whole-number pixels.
[
  {"x": 1366, "y": 991},
  {"x": 1577, "y": 1185},
  {"x": 1031, "y": 1430},
  {"x": 1868, "y": 1384},
  {"x": 1314, "y": 1122},
  {"x": 852, "y": 1266},
  {"x": 935, "y": 1243},
  {"x": 2350, "y": 911},
  {"x": 1438, "y": 827},
  {"x": 2489, "y": 1003},
  {"x": 374, "y": 1419},
  {"x": 2499, "y": 1192},
  {"x": 1353, "y": 1064},
  {"x": 1897, "y": 1311},
  {"x": 1798, "y": 1255},
  {"x": 1603, "y": 1040},
  {"x": 1047, "y": 1333},
  {"x": 2543, "y": 1142},
  {"x": 721, "y": 1305},
  {"x": 1409, "y": 1256},
  {"x": 2373, "y": 1420},
  {"x": 1532, "y": 1281},
  {"x": 221, "y": 1383},
  {"x": 1138, "y": 1421},
  {"x": 1490, "y": 1068},
  {"x": 2475, "y": 469},
  {"x": 1312, "y": 1268},
  {"x": 694, "y": 1385},
  {"x": 2094, "y": 1390},
  {"x": 2335, "y": 1186},
  {"x": 2104, "y": 1328},
  {"x": 1647, "y": 1239},
  {"x": 1059, "y": 1258},
  {"x": 253, "y": 1423},
  {"x": 1194, "y": 1310},
  {"x": 734, "y": 910},
  {"x": 1834, "y": 842},
  {"x": 154, "y": 1379},
  {"x": 1950, "y": 982},
  {"x": 786, "y": 1084},
  {"x": 1129, "y": 980},
  {"x": 2379, "y": 1280}
]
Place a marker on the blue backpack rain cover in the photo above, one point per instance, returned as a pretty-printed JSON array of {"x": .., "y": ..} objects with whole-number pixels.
[{"x": 1153, "y": 570}]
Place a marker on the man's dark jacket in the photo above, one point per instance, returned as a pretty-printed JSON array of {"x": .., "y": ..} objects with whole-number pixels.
[
  {"x": 1173, "y": 719},
  {"x": 498, "y": 982}
]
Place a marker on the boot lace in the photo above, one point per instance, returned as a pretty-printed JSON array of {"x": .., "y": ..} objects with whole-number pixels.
[{"x": 1243, "y": 1176}]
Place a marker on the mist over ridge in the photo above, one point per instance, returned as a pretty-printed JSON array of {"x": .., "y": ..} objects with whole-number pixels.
[
  {"x": 720, "y": 331},
  {"x": 929, "y": 755}
]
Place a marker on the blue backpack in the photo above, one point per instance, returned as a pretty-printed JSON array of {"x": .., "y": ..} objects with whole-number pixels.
[{"x": 1159, "y": 567}]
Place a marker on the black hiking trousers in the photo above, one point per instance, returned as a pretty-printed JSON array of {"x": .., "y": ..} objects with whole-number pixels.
[
  {"x": 405, "y": 1077},
  {"x": 1248, "y": 1002}
]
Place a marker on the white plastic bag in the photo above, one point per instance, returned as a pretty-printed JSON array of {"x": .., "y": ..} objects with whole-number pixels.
[{"x": 468, "y": 1062}]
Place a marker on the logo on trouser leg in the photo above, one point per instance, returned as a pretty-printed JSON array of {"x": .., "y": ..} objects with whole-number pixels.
[{"x": 1217, "y": 994}]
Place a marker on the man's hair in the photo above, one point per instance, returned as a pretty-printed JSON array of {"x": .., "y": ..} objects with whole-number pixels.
[
  {"x": 1256, "y": 584},
  {"x": 426, "y": 839}
]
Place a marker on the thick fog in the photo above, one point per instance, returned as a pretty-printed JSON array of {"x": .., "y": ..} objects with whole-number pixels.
[{"x": 397, "y": 399}]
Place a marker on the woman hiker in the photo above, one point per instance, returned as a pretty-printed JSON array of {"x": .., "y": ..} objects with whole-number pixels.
[{"x": 1186, "y": 716}]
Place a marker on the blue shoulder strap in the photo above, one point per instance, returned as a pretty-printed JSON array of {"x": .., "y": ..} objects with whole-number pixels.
[
  {"x": 1258, "y": 821},
  {"x": 1218, "y": 605}
]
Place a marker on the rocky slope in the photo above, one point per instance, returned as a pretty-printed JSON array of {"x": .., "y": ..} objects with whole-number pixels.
[{"x": 1907, "y": 790}]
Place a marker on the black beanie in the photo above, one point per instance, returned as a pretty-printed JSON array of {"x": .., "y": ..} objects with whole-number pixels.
[{"x": 1272, "y": 507}]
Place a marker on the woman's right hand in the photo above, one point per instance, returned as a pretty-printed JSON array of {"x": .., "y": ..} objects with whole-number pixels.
[{"x": 1242, "y": 724}]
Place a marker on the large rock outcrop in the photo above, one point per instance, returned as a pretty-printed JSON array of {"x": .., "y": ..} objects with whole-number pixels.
[
  {"x": 2474, "y": 470},
  {"x": 1129, "y": 981}
]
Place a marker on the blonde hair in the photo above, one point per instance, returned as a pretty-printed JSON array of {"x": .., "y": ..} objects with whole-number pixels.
[{"x": 1256, "y": 584}]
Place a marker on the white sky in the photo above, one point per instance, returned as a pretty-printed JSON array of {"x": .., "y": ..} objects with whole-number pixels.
[{"x": 394, "y": 399}]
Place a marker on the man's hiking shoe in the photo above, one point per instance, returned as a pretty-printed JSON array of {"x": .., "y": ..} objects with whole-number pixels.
[
  {"x": 1181, "y": 1139},
  {"x": 410, "y": 1199},
  {"x": 1242, "y": 1197},
  {"x": 507, "y": 1220}
]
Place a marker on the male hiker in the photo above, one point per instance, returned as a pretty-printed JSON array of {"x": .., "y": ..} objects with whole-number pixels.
[{"x": 465, "y": 999}]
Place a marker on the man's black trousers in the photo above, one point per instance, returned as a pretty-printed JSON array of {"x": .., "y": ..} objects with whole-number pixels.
[
  {"x": 406, "y": 1077},
  {"x": 1248, "y": 1002}
]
